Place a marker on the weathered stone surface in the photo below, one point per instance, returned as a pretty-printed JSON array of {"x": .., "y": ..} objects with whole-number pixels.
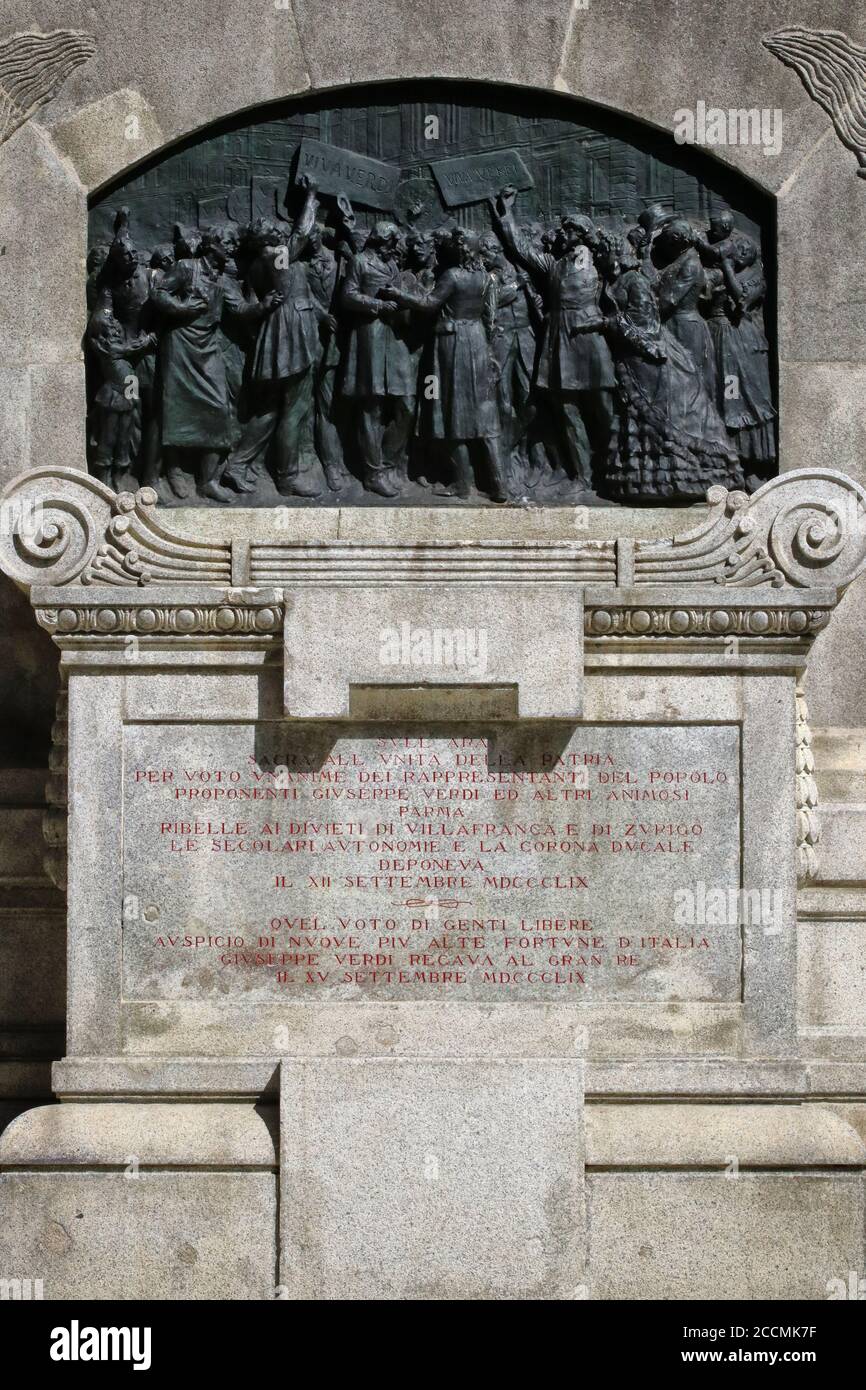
[
  {"x": 187, "y": 74},
  {"x": 108, "y": 135},
  {"x": 605, "y": 61},
  {"x": 840, "y": 763},
  {"x": 683, "y": 1236},
  {"x": 529, "y": 643},
  {"x": 15, "y": 421},
  {"x": 500, "y": 39},
  {"x": 185, "y": 1235},
  {"x": 33, "y": 68},
  {"x": 42, "y": 314},
  {"x": 10, "y": 1109},
  {"x": 452, "y": 1179},
  {"x": 820, "y": 318},
  {"x": 656, "y": 1078},
  {"x": 417, "y": 1140},
  {"x": 57, "y": 416},
  {"x": 832, "y": 974},
  {"x": 374, "y": 525},
  {"x": 836, "y": 677},
  {"x": 714, "y": 1136},
  {"x": 842, "y": 857},
  {"x": 820, "y": 413},
  {"x": 151, "y": 1136}
]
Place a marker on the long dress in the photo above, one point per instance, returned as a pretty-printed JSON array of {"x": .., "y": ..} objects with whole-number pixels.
[
  {"x": 681, "y": 288},
  {"x": 669, "y": 440},
  {"x": 742, "y": 360}
]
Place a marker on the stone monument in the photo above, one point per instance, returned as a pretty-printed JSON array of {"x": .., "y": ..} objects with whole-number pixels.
[{"x": 428, "y": 507}]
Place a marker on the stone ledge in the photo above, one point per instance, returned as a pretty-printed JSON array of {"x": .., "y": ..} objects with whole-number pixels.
[
  {"x": 642, "y": 1137},
  {"x": 167, "y": 1135},
  {"x": 660, "y": 1078},
  {"x": 711, "y": 1136}
]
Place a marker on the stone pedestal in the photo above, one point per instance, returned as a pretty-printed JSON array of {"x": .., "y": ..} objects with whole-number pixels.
[{"x": 319, "y": 1047}]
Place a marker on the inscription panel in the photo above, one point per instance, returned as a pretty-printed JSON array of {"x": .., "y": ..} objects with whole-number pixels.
[{"x": 564, "y": 863}]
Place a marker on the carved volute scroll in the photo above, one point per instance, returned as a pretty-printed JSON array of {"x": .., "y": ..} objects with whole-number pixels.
[{"x": 804, "y": 530}]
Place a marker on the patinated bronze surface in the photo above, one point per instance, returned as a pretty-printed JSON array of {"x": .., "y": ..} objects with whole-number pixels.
[{"x": 430, "y": 301}]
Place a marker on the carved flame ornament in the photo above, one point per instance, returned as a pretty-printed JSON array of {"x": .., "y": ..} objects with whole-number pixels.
[
  {"x": 832, "y": 68},
  {"x": 33, "y": 68}
]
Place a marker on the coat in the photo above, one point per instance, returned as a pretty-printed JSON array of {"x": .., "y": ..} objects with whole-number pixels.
[
  {"x": 379, "y": 361},
  {"x": 458, "y": 356},
  {"x": 195, "y": 397},
  {"x": 570, "y": 357}
]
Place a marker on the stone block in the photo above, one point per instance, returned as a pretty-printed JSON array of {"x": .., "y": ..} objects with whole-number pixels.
[
  {"x": 43, "y": 312},
  {"x": 432, "y": 1180},
  {"x": 820, "y": 282},
  {"x": 529, "y": 642},
  {"x": 232, "y": 57},
  {"x": 821, "y": 415},
  {"x": 832, "y": 974},
  {"x": 836, "y": 677},
  {"x": 58, "y": 413},
  {"x": 605, "y": 61},
  {"x": 116, "y": 1236},
  {"x": 15, "y": 421},
  {"x": 670, "y": 1236},
  {"x": 110, "y": 134},
  {"x": 842, "y": 847},
  {"x": 112, "y": 1135},
  {"x": 712, "y": 1136}
]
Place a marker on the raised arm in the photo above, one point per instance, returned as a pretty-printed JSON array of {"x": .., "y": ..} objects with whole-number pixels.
[
  {"x": 518, "y": 247},
  {"x": 305, "y": 220},
  {"x": 348, "y": 240}
]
